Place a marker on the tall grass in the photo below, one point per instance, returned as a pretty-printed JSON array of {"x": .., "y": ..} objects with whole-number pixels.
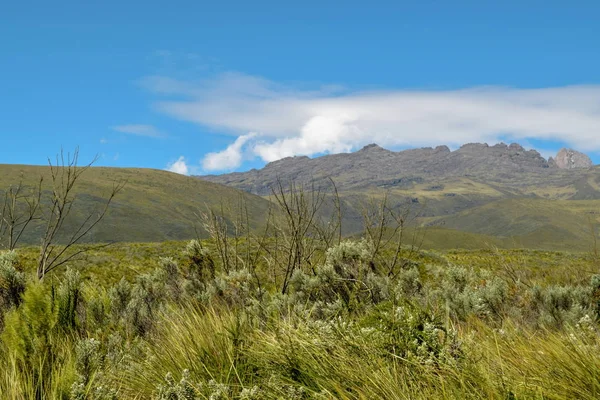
[
  {"x": 344, "y": 329},
  {"x": 296, "y": 358}
]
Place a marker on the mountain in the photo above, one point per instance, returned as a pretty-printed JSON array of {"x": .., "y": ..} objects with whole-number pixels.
[
  {"x": 374, "y": 166},
  {"x": 154, "y": 205},
  {"x": 506, "y": 193},
  {"x": 571, "y": 159}
]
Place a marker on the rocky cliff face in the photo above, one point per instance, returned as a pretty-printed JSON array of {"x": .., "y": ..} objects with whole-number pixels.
[
  {"x": 571, "y": 159},
  {"x": 374, "y": 166}
]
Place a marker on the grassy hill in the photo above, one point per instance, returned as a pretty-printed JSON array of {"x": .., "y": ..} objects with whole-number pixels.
[
  {"x": 154, "y": 205},
  {"x": 529, "y": 222}
]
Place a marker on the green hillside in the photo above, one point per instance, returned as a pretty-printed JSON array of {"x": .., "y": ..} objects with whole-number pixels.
[
  {"x": 154, "y": 205},
  {"x": 529, "y": 222}
]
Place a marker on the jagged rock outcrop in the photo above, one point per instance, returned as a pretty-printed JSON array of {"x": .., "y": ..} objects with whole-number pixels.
[
  {"x": 572, "y": 159},
  {"x": 374, "y": 166}
]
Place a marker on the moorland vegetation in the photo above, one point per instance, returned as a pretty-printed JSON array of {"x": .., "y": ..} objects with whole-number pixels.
[{"x": 296, "y": 310}]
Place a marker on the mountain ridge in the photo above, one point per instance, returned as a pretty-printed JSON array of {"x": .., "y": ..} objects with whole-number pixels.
[
  {"x": 373, "y": 165},
  {"x": 505, "y": 192}
]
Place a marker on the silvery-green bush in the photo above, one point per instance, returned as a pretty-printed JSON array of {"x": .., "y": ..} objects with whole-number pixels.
[
  {"x": 12, "y": 281},
  {"x": 89, "y": 361},
  {"x": 467, "y": 293},
  {"x": 70, "y": 301},
  {"x": 559, "y": 305},
  {"x": 346, "y": 282}
]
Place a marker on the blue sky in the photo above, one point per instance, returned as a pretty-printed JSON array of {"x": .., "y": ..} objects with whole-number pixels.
[{"x": 225, "y": 86}]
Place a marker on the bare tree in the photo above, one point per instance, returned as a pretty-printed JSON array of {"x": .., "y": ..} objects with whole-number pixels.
[
  {"x": 20, "y": 208},
  {"x": 329, "y": 230},
  {"x": 387, "y": 229},
  {"x": 215, "y": 224},
  {"x": 295, "y": 232},
  {"x": 237, "y": 245},
  {"x": 296, "y": 238},
  {"x": 64, "y": 174}
]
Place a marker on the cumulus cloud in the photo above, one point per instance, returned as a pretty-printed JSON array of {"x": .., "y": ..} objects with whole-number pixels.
[
  {"x": 295, "y": 121},
  {"x": 229, "y": 158},
  {"x": 179, "y": 166},
  {"x": 139, "y": 130}
]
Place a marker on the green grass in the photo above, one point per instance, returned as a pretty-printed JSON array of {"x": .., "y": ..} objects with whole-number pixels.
[
  {"x": 153, "y": 206},
  {"x": 467, "y": 314},
  {"x": 107, "y": 265},
  {"x": 529, "y": 223},
  {"x": 229, "y": 337}
]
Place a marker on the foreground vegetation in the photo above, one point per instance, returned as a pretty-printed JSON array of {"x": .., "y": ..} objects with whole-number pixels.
[
  {"x": 289, "y": 311},
  {"x": 463, "y": 324}
]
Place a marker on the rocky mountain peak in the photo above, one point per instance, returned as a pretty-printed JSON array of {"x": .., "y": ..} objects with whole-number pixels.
[
  {"x": 372, "y": 147},
  {"x": 474, "y": 146},
  {"x": 374, "y": 166},
  {"x": 571, "y": 159},
  {"x": 286, "y": 162},
  {"x": 516, "y": 147}
]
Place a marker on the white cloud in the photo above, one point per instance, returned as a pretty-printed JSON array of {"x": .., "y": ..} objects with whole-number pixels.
[
  {"x": 292, "y": 121},
  {"x": 179, "y": 166},
  {"x": 229, "y": 158},
  {"x": 139, "y": 130}
]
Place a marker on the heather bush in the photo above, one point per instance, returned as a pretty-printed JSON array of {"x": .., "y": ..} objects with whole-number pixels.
[
  {"x": 347, "y": 282},
  {"x": 12, "y": 281},
  {"x": 69, "y": 301},
  {"x": 410, "y": 333},
  {"x": 409, "y": 283},
  {"x": 558, "y": 305},
  {"x": 181, "y": 390},
  {"x": 200, "y": 266},
  {"x": 147, "y": 297},
  {"x": 89, "y": 361},
  {"x": 97, "y": 311},
  {"x": 119, "y": 297},
  {"x": 170, "y": 275}
]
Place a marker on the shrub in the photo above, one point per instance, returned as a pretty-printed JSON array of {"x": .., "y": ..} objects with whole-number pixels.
[
  {"x": 558, "y": 305},
  {"x": 119, "y": 296},
  {"x": 201, "y": 266},
  {"x": 12, "y": 281},
  {"x": 70, "y": 301},
  {"x": 466, "y": 293},
  {"x": 31, "y": 344}
]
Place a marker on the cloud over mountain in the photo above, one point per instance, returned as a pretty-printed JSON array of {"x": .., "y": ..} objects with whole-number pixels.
[{"x": 288, "y": 120}]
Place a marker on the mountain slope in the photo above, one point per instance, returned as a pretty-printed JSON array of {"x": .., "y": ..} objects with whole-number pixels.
[
  {"x": 503, "y": 192},
  {"x": 154, "y": 205},
  {"x": 529, "y": 222},
  {"x": 510, "y": 167}
]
